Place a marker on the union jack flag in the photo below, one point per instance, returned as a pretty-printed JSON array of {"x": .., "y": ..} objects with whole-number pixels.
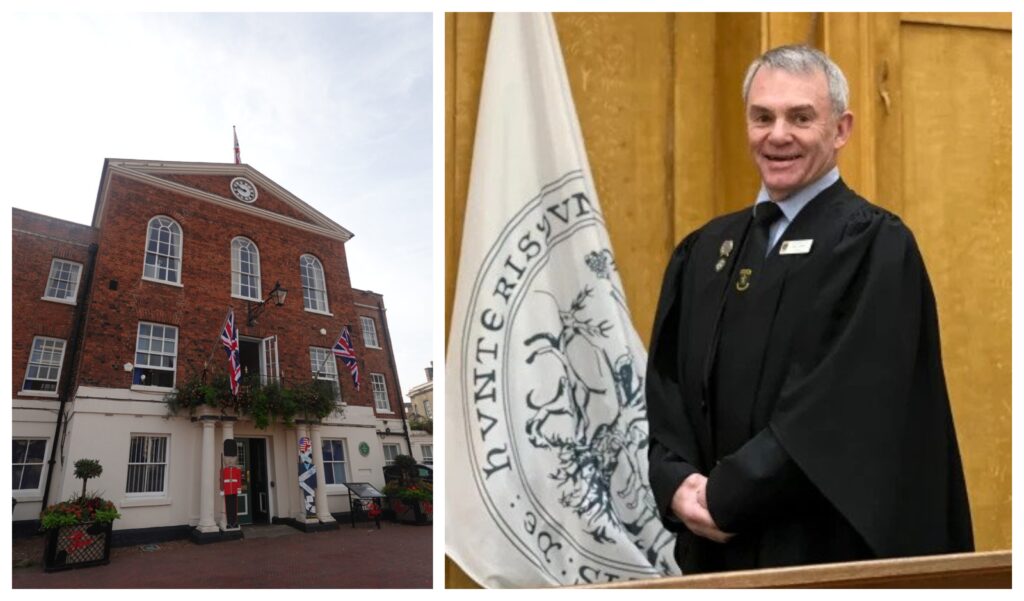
[
  {"x": 346, "y": 352},
  {"x": 229, "y": 338}
]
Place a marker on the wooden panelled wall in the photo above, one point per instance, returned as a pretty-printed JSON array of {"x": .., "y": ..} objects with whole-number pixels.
[{"x": 658, "y": 97}]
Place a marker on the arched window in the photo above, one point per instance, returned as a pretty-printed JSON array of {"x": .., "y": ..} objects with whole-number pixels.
[
  {"x": 163, "y": 251},
  {"x": 314, "y": 290},
  {"x": 245, "y": 269}
]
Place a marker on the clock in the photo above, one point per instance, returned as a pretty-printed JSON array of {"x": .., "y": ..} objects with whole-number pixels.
[{"x": 243, "y": 189}]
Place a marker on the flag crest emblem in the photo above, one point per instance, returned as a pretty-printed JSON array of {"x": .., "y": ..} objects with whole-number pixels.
[{"x": 546, "y": 418}]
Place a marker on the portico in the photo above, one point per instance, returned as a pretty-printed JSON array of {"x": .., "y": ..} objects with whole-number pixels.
[{"x": 261, "y": 496}]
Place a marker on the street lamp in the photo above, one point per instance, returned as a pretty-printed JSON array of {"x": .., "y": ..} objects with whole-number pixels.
[{"x": 254, "y": 309}]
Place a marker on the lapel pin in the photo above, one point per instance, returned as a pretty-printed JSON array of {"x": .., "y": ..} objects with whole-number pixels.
[
  {"x": 725, "y": 249},
  {"x": 744, "y": 282},
  {"x": 723, "y": 253}
]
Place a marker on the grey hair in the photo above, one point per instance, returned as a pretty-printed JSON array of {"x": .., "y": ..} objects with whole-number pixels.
[{"x": 803, "y": 59}]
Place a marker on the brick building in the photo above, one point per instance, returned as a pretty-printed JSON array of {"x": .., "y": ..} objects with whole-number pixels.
[{"x": 109, "y": 318}]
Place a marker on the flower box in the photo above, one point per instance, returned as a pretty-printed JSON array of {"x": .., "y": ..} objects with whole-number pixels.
[
  {"x": 412, "y": 512},
  {"x": 77, "y": 546}
]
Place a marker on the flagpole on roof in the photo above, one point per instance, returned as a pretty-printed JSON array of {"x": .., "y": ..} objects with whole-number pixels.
[{"x": 238, "y": 152}]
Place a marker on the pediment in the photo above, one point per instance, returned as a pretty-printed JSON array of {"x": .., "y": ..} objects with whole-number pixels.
[{"x": 238, "y": 186}]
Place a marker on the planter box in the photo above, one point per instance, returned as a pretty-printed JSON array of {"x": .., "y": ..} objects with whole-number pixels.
[
  {"x": 420, "y": 512},
  {"x": 78, "y": 546}
]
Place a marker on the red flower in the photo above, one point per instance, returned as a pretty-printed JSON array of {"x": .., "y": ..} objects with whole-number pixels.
[{"x": 428, "y": 507}]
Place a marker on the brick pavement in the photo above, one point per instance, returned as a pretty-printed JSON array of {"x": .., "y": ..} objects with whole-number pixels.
[{"x": 396, "y": 556}]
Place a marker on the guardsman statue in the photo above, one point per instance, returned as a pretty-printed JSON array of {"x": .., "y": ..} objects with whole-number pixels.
[{"x": 231, "y": 480}]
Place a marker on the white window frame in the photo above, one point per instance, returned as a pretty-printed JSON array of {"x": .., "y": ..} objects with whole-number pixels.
[
  {"x": 146, "y": 252},
  {"x": 56, "y": 266},
  {"x": 328, "y": 462},
  {"x": 236, "y": 269},
  {"x": 31, "y": 492},
  {"x": 398, "y": 451},
  {"x": 379, "y": 385},
  {"x": 270, "y": 367},
  {"x": 49, "y": 365},
  {"x": 161, "y": 353},
  {"x": 329, "y": 365},
  {"x": 308, "y": 261},
  {"x": 426, "y": 409},
  {"x": 369, "y": 333},
  {"x": 427, "y": 450},
  {"x": 147, "y": 461}
]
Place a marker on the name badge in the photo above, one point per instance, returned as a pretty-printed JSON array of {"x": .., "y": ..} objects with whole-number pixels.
[{"x": 795, "y": 247}]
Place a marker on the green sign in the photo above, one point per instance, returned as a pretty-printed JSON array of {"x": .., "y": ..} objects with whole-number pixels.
[{"x": 364, "y": 449}]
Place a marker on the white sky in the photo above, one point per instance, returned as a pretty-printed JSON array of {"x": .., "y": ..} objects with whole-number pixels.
[{"x": 336, "y": 108}]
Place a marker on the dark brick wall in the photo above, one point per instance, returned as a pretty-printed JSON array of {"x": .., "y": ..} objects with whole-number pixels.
[
  {"x": 199, "y": 306},
  {"x": 374, "y": 360},
  {"x": 35, "y": 241},
  {"x": 221, "y": 186}
]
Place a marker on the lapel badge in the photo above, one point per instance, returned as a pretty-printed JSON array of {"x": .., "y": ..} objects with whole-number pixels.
[
  {"x": 795, "y": 247},
  {"x": 725, "y": 249},
  {"x": 723, "y": 253},
  {"x": 744, "y": 282}
]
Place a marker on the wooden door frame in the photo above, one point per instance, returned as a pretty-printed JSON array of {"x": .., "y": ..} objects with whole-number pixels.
[{"x": 867, "y": 47}]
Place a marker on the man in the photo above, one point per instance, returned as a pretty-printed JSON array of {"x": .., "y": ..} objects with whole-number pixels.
[{"x": 797, "y": 405}]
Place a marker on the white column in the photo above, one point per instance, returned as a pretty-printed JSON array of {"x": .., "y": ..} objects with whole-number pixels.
[
  {"x": 323, "y": 512},
  {"x": 206, "y": 478},
  {"x": 227, "y": 433},
  {"x": 300, "y": 511}
]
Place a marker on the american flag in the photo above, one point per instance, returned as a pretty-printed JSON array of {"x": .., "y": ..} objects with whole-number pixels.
[
  {"x": 238, "y": 151},
  {"x": 229, "y": 338},
  {"x": 344, "y": 350}
]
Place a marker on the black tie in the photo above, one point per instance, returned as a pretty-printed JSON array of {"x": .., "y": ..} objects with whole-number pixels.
[{"x": 765, "y": 214}]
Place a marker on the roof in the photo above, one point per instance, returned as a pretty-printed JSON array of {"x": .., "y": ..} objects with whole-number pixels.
[{"x": 154, "y": 173}]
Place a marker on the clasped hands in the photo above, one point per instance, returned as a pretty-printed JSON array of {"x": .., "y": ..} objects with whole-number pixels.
[{"x": 690, "y": 504}]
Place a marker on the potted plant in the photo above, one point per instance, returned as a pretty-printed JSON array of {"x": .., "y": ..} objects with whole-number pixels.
[
  {"x": 264, "y": 402},
  {"x": 78, "y": 531},
  {"x": 411, "y": 499}
]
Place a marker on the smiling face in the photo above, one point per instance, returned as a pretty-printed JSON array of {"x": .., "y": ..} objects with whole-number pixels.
[{"x": 793, "y": 135}]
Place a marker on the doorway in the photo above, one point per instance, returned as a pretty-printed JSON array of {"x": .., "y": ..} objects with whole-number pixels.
[
  {"x": 254, "y": 496},
  {"x": 258, "y": 356}
]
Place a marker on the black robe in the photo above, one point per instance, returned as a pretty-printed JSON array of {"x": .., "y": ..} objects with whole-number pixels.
[{"x": 836, "y": 442}]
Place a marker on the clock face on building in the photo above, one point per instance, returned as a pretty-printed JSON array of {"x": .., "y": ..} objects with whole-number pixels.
[{"x": 243, "y": 189}]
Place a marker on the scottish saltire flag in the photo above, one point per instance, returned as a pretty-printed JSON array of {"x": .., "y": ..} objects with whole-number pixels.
[
  {"x": 238, "y": 151},
  {"x": 546, "y": 479},
  {"x": 229, "y": 338},
  {"x": 307, "y": 477},
  {"x": 343, "y": 350}
]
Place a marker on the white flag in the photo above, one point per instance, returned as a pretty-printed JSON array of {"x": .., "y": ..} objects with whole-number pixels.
[{"x": 546, "y": 481}]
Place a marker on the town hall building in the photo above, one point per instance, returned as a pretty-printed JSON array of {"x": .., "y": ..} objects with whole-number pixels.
[{"x": 111, "y": 317}]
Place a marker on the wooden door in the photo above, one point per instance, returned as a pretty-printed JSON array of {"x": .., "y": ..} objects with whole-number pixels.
[
  {"x": 244, "y": 496},
  {"x": 944, "y": 165}
]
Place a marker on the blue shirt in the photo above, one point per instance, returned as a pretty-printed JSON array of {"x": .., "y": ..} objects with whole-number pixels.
[{"x": 792, "y": 205}]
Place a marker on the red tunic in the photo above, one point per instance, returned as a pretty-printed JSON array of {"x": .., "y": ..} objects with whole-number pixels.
[{"x": 231, "y": 477}]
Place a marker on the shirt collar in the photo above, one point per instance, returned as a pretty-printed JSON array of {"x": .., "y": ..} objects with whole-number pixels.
[{"x": 795, "y": 203}]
